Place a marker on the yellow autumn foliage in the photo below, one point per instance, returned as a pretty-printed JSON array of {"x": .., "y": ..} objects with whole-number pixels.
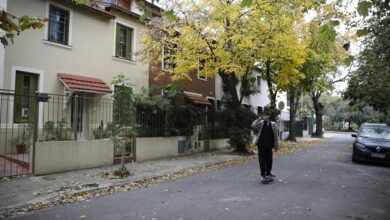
[{"x": 229, "y": 38}]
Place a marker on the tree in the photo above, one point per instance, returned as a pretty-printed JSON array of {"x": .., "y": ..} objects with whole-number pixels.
[
  {"x": 326, "y": 53},
  {"x": 230, "y": 38},
  {"x": 339, "y": 111},
  {"x": 12, "y": 25},
  {"x": 123, "y": 128},
  {"x": 368, "y": 84}
]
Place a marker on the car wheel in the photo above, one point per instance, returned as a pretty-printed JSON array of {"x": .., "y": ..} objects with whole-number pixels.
[{"x": 354, "y": 160}]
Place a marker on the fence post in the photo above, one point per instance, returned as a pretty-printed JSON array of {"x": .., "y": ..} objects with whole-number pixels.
[
  {"x": 75, "y": 117},
  {"x": 35, "y": 132}
]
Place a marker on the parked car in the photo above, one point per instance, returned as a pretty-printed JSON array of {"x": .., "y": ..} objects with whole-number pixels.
[{"x": 372, "y": 143}]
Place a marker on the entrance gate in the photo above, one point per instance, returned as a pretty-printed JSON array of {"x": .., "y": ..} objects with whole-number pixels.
[{"x": 17, "y": 119}]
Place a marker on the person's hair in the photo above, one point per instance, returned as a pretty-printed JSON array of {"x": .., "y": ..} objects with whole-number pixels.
[{"x": 266, "y": 112}]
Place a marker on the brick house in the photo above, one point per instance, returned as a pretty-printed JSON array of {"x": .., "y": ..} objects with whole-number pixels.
[{"x": 198, "y": 92}]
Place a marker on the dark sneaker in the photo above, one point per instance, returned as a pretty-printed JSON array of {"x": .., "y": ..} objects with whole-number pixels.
[
  {"x": 264, "y": 180},
  {"x": 269, "y": 178},
  {"x": 270, "y": 174}
]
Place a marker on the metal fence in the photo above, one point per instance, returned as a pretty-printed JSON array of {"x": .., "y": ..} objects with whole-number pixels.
[
  {"x": 29, "y": 118},
  {"x": 16, "y": 132},
  {"x": 76, "y": 117}
]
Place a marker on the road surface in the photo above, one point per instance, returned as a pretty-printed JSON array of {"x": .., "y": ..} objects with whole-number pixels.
[{"x": 319, "y": 182}]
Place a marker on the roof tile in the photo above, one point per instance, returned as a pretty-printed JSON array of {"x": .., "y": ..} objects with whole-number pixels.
[{"x": 85, "y": 83}]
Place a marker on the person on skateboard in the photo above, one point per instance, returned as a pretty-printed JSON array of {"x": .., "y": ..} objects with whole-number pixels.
[{"x": 266, "y": 140}]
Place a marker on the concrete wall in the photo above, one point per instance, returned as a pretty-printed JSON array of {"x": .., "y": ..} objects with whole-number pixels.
[
  {"x": 160, "y": 147},
  {"x": 59, "y": 156},
  {"x": 284, "y": 135},
  {"x": 157, "y": 147},
  {"x": 219, "y": 144}
]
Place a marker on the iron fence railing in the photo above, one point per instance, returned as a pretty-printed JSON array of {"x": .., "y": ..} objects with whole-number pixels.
[
  {"x": 27, "y": 118},
  {"x": 16, "y": 139},
  {"x": 76, "y": 117}
]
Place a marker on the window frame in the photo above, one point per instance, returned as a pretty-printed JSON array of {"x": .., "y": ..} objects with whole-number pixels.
[
  {"x": 132, "y": 58},
  {"x": 258, "y": 82},
  {"x": 47, "y": 26},
  {"x": 163, "y": 65},
  {"x": 203, "y": 78}
]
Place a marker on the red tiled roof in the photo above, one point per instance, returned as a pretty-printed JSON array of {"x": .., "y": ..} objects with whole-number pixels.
[
  {"x": 84, "y": 83},
  {"x": 197, "y": 99}
]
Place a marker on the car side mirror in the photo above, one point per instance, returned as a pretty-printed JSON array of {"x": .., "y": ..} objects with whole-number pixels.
[{"x": 354, "y": 135}]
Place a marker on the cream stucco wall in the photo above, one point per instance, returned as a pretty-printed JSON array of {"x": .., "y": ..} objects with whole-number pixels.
[
  {"x": 90, "y": 53},
  {"x": 3, "y": 6},
  {"x": 159, "y": 147},
  {"x": 59, "y": 156}
]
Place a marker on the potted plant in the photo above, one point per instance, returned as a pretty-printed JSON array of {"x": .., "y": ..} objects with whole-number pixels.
[{"x": 23, "y": 139}]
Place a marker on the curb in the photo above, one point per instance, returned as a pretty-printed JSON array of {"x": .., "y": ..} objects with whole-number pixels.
[{"x": 44, "y": 201}]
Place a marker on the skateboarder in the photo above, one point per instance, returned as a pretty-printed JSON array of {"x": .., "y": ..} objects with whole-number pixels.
[{"x": 266, "y": 140}]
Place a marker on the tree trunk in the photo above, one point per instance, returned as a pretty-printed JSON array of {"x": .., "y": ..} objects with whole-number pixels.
[
  {"x": 272, "y": 93},
  {"x": 231, "y": 82},
  {"x": 291, "y": 135},
  {"x": 319, "y": 111}
]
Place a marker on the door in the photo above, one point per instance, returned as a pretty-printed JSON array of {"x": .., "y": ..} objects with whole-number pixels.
[
  {"x": 26, "y": 85},
  {"x": 77, "y": 112}
]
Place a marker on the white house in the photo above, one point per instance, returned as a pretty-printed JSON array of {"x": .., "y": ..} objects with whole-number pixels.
[{"x": 77, "y": 54}]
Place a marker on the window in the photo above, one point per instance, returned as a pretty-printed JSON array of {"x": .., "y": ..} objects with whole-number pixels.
[
  {"x": 168, "y": 62},
  {"x": 58, "y": 25},
  {"x": 77, "y": 106},
  {"x": 26, "y": 85},
  {"x": 201, "y": 67},
  {"x": 259, "y": 110},
  {"x": 288, "y": 99},
  {"x": 124, "y": 42},
  {"x": 258, "y": 82}
]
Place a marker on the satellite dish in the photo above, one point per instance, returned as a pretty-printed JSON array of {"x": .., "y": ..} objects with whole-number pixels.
[{"x": 281, "y": 105}]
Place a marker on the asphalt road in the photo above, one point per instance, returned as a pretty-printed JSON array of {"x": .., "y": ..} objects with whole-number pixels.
[{"x": 316, "y": 183}]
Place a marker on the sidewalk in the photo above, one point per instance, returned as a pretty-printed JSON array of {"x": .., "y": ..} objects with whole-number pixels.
[{"x": 23, "y": 192}]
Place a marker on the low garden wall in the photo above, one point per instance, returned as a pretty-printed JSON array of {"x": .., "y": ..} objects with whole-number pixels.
[
  {"x": 160, "y": 147},
  {"x": 59, "y": 156},
  {"x": 219, "y": 144}
]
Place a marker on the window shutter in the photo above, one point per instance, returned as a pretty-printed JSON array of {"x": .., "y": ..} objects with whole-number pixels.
[
  {"x": 129, "y": 43},
  {"x": 66, "y": 32},
  {"x": 18, "y": 97},
  {"x": 32, "y": 101},
  {"x": 117, "y": 40}
]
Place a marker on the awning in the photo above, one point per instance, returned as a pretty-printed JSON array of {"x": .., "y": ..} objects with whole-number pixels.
[
  {"x": 83, "y": 83},
  {"x": 197, "y": 99}
]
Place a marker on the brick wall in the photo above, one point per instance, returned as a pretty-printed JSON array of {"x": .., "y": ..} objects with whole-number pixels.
[
  {"x": 204, "y": 87},
  {"x": 124, "y": 4}
]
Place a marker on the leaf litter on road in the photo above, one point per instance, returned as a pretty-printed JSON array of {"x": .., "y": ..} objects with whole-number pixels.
[{"x": 69, "y": 197}]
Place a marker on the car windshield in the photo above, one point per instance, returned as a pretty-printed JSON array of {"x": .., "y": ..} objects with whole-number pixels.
[{"x": 375, "y": 132}]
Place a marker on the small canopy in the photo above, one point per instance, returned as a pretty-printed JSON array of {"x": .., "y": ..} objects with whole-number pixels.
[
  {"x": 83, "y": 83},
  {"x": 197, "y": 99}
]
